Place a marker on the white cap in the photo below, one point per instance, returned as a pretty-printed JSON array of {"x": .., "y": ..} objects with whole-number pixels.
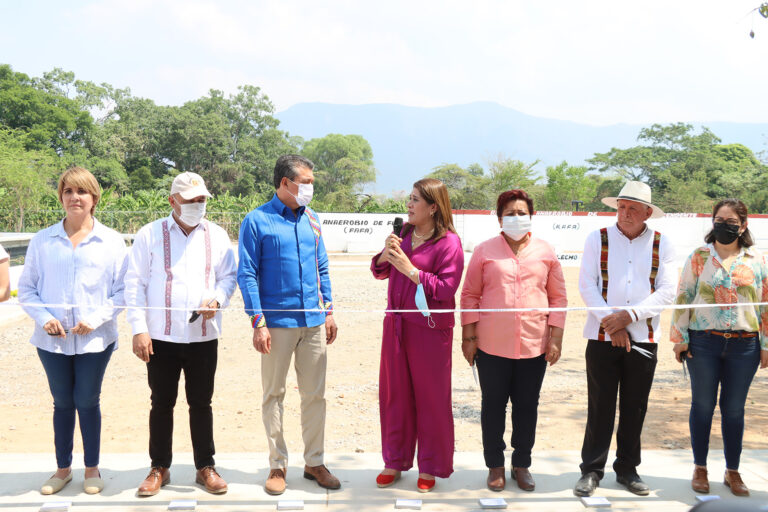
[{"x": 189, "y": 186}]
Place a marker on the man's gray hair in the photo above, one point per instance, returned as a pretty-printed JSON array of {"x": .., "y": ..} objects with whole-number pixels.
[{"x": 287, "y": 166}]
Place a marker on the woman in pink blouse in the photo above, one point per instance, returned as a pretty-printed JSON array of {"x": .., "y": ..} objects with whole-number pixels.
[
  {"x": 424, "y": 265},
  {"x": 512, "y": 270}
]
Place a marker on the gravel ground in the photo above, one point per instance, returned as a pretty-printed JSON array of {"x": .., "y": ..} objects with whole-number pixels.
[{"x": 352, "y": 388}]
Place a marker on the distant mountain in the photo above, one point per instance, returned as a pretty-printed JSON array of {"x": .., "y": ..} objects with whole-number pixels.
[{"x": 408, "y": 142}]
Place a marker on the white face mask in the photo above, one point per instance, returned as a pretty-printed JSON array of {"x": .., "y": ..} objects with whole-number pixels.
[
  {"x": 192, "y": 213},
  {"x": 305, "y": 193},
  {"x": 516, "y": 226}
]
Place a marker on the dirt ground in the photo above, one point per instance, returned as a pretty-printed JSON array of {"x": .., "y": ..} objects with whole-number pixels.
[{"x": 352, "y": 388}]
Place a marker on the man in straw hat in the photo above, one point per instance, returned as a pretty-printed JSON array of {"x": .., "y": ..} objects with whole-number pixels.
[
  {"x": 631, "y": 268},
  {"x": 178, "y": 265}
]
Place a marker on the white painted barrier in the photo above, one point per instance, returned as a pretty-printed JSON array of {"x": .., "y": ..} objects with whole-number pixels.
[{"x": 566, "y": 231}]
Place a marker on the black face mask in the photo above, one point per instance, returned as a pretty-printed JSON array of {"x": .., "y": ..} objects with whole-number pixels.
[{"x": 725, "y": 233}]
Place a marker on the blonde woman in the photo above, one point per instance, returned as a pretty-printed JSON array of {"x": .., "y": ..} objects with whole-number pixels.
[{"x": 71, "y": 284}]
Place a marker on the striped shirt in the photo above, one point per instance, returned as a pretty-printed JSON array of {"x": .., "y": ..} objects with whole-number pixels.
[{"x": 88, "y": 278}]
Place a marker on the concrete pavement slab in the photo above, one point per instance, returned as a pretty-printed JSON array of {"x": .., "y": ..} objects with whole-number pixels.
[{"x": 667, "y": 472}]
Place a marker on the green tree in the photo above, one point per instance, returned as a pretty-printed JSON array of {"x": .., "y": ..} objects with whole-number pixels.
[
  {"x": 688, "y": 169},
  {"x": 565, "y": 184},
  {"x": 509, "y": 174},
  {"x": 467, "y": 188},
  {"x": 27, "y": 176},
  {"x": 343, "y": 163},
  {"x": 50, "y": 118}
]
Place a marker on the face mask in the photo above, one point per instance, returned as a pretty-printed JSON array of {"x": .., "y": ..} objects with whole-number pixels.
[
  {"x": 192, "y": 213},
  {"x": 725, "y": 233},
  {"x": 421, "y": 303},
  {"x": 305, "y": 193},
  {"x": 516, "y": 226}
]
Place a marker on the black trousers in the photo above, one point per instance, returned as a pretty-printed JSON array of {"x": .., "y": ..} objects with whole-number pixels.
[
  {"x": 613, "y": 371},
  {"x": 501, "y": 380},
  {"x": 198, "y": 360}
]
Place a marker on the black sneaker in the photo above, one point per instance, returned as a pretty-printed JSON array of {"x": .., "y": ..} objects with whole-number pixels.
[
  {"x": 587, "y": 484},
  {"x": 634, "y": 484}
]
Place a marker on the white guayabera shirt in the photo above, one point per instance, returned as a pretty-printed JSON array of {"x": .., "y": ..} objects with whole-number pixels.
[
  {"x": 629, "y": 268},
  {"x": 168, "y": 269}
]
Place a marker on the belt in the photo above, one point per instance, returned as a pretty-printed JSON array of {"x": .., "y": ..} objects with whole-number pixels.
[{"x": 732, "y": 334}]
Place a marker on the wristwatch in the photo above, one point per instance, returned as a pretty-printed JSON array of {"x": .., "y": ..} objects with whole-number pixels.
[{"x": 414, "y": 271}]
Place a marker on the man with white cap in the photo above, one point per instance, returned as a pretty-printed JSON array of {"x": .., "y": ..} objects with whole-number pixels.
[
  {"x": 629, "y": 267},
  {"x": 181, "y": 273}
]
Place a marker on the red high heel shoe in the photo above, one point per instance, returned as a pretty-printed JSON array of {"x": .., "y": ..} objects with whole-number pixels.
[
  {"x": 386, "y": 480},
  {"x": 424, "y": 485}
]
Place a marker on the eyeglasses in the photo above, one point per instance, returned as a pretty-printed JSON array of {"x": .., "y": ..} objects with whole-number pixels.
[{"x": 730, "y": 222}]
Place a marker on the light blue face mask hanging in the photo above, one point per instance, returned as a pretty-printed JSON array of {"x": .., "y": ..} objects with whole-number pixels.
[{"x": 421, "y": 302}]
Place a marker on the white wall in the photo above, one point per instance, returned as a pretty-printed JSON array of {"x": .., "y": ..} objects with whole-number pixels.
[{"x": 566, "y": 231}]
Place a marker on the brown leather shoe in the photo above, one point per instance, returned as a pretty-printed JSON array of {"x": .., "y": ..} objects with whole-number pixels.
[
  {"x": 156, "y": 478},
  {"x": 700, "y": 482},
  {"x": 496, "y": 479},
  {"x": 734, "y": 481},
  {"x": 211, "y": 480},
  {"x": 323, "y": 477},
  {"x": 275, "y": 482},
  {"x": 523, "y": 478}
]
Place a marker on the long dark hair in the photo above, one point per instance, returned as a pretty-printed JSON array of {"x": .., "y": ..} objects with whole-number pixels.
[{"x": 740, "y": 209}]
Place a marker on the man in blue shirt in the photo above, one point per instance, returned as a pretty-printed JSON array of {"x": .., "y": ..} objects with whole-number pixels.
[{"x": 283, "y": 275}]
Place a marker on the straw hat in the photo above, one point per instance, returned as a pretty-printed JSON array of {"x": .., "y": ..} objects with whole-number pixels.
[{"x": 635, "y": 191}]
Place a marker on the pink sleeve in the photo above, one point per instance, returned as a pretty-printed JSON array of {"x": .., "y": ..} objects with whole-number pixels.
[
  {"x": 556, "y": 292},
  {"x": 443, "y": 283},
  {"x": 380, "y": 271},
  {"x": 472, "y": 290}
]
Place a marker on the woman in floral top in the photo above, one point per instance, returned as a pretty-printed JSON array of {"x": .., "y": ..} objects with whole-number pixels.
[{"x": 723, "y": 344}]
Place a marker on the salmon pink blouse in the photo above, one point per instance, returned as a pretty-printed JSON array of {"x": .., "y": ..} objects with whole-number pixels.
[{"x": 497, "y": 278}]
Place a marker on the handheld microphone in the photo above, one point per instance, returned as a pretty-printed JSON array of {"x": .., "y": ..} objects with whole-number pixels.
[{"x": 397, "y": 226}]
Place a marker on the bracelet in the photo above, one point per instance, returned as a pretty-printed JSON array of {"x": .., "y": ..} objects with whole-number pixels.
[
  {"x": 258, "y": 320},
  {"x": 471, "y": 338}
]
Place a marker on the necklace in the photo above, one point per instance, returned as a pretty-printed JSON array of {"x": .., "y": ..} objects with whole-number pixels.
[{"x": 421, "y": 237}]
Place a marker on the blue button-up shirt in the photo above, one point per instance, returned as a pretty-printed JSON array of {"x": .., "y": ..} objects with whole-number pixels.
[{"x": 280, "y": 266}]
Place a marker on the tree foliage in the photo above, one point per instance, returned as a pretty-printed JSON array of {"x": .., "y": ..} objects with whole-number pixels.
[{"x": 135, "y": 147}]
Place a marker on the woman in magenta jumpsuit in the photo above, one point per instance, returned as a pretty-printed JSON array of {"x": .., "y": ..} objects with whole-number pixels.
[{"x": 415, "y": 372}]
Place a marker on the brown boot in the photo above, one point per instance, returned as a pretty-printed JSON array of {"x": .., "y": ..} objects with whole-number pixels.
[
  {"x": 275, "y": 482},
  {"x": 700, "y": 481},
  {"x": 210, "y": 479},
  {"x": 523, "y": 478},
  {"x": 323, "y": 477},
  {"x": 734, "y": 481},
  {"x": 156, "y": 478},
  {"x": 497, "y": 480}
]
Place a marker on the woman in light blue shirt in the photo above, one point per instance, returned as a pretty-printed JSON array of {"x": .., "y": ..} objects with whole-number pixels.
[{"x": 71, "y": 286}]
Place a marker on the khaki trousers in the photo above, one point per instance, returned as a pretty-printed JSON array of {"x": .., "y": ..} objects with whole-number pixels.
[{"x": 308, "y": 343}]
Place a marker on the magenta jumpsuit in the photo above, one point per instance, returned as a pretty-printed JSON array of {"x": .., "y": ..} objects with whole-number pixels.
[{"x": 415, "y": 373}]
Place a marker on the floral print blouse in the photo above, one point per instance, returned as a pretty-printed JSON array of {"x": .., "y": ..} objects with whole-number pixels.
[{"x": 705, "y": 281}]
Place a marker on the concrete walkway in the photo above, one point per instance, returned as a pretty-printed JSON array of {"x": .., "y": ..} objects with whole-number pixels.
[{"x": 666, "y": 471}]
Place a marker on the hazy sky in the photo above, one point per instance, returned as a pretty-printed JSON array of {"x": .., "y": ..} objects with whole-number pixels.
[{"x": 597, "y": 62}]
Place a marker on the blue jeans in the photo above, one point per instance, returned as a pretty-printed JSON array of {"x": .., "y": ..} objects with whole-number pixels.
[
  {"x": 731, "y": 364},
  {"x": 75, "y": 383}
]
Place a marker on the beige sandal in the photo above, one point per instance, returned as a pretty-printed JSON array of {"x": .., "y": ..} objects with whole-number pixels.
[
  {"x": 93, "y": 485},
  {"x": 54, "y": 484}
]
